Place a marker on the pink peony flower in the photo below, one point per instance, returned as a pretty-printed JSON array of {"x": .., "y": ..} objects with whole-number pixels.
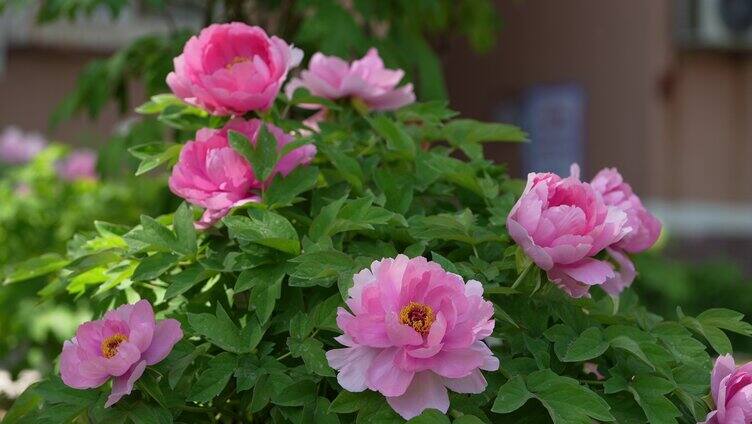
[
  {"x": 79, "y": 165},
  {"x": 17, "y": 147},
  {"x": 645, "y": 227},
  {"x": 414, "y": 330},
  {"x": 232, "y": 69},
  {"x": 119, "y": 346},
  {"x": 210, "y": 174},
  {"x": 367, "y": 79},
  {"x": 561, "y": 224},
  {"x": 731, "y": 387}
]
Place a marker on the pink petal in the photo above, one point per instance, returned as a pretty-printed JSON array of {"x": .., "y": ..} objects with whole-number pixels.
[
  {"x": 426, "y": 391},
  {"x": 166, "y": 334},
  {"x": 123, "y": 385}
]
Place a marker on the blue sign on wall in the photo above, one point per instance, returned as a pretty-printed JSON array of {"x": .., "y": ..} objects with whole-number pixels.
[{"x": 554, "y": 117}]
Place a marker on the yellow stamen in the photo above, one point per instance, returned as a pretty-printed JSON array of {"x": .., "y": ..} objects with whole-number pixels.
[
  {"x": 418, "y": 316},
  {"x": 235, "y": 60},
  {"x": 110, "y": 344}
]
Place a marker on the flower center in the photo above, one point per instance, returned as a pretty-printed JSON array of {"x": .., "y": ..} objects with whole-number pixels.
[
  {"x": 235, "y": 60},
  {"x": 418, "y": 316},
  {"x": 110, "y": 344}
]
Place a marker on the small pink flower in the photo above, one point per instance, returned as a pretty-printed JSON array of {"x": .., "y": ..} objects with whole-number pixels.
[
  {"x": 731, "y": 387},
  {"x": 413, "y": 331},
  {"x": 561, "y": 224},
  {"x": 120, "y": 346},
  {"x": 366, "y": 79},
  {"x": 79, "y": 165},
  {"x": 592, "y": 368},
  {"x": 211, "y": 174},
  {"x": 17, "y": 147},
  {"x": 645, "y": 227},
  {"x": 232, "y": 69}
]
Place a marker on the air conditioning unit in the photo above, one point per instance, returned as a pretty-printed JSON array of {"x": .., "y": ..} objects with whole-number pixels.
[{"x": 714, "y": 24}]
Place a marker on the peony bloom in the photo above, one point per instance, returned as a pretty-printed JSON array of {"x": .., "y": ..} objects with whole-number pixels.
[
  {"x": 561, "y": 224},
  {"x": 731, "y": 387},
  {"x": 79, "y": 165},
  {"x": 17, "y": 147},
  {"x": 413, "y": 330},
  {"x": 211, "y": 174},
  {"x": 366, "y": 79},
  {"x": 232, "y": 69},
  {"x": 644, "y": 227},
  {"x": 120, "y": 346}
]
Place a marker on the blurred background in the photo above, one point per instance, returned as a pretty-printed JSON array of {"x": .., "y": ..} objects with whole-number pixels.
[{"x": 661, "y": 89}]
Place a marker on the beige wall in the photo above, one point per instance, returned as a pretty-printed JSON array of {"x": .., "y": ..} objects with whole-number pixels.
[{"x": 677, "y": 124}]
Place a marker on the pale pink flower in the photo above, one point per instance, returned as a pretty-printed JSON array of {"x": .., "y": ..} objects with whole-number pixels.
[
  {"x": 232, "y": 69},
  {"x": 413, "y": 330},
  {"x": 561, "y": 224},
  {"x": 17, "y": 147},
  {"x": 366, "y": 79},
  {"x": 211, "y": 174},
  {"x": 78, "y": 165},
  {"x": 119, "y": 346},
  {"x": 731, "y": 387}
]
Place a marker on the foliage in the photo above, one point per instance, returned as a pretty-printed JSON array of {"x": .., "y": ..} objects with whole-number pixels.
[{"x": 257, "y": 295}]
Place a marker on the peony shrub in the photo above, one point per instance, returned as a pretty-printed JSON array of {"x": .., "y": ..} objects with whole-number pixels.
[{"x": 372, "y": 268}]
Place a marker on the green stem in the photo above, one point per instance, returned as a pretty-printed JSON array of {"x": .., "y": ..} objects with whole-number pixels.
[{"x": 522, "y": 276}]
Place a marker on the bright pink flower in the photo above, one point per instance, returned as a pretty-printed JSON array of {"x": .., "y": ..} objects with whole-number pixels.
[
  {"x": 332, "y": 78},
  {"x": 645, "y": 227},
  {"x": 211, "y": 174},
  {"x": 731, "y": 387},
  {"x": 120, "y": 346},
  {"x": 232, "y": 69},
  {"x": 413, "y": 331},
  {"x": 17, "y": 147},
  {"x": 561, "y": 224},
  {"x": 79, "y": 165}
]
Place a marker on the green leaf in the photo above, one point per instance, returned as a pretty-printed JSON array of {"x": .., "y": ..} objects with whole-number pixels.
[
  {"x": 629, "y": 345},
  {"x": 182, "y": 222},
  {"x": 348, "y": 402},
  {"x": 397, "y": 139},
  {"x": 442, "y": 227},
  {"x": 262, "y": 156},
  {"x": 347, "y": 166},
  {"x": 265, "y": 228},
  {"x": 511, "y": 396},
  {"x": 247, "y": 373},
  {"x": 397, "y": 189},
  {"x": 430, "y": 416},
  {"x": 726, "y": 319},
  {"x": 566, "y": 400},
  {"x": 283, "y": 191},
  {"x": 323, "y": 223},
  {"x": 154, "y": 266},
  {"x": 320, "y": 267},
  {"x": 468, "y": 419},
  {"x": 588, "y": 345},
  {"x": 296, "y": 394},
  {"x": 154, "y": 154},
  {"x": 214, "y": 378},
  {"x": 186, "y": 279},
  {"x": 221, "y": 331},
  {"x": 266, "y": 290},
  {"x": 649, "y": 393},
  {"x": 35, "y": 267},
  {"x": 312, "y": 353},
  {"x": 159, "y": 236},
  {"x": 460, "y": 131}
]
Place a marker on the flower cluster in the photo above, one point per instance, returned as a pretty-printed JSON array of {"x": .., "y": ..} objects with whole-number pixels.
[
  {"x": 562, "y": 224},
  {"x": 234, "y": 69},
  {"x": 17, "y": 147}
]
